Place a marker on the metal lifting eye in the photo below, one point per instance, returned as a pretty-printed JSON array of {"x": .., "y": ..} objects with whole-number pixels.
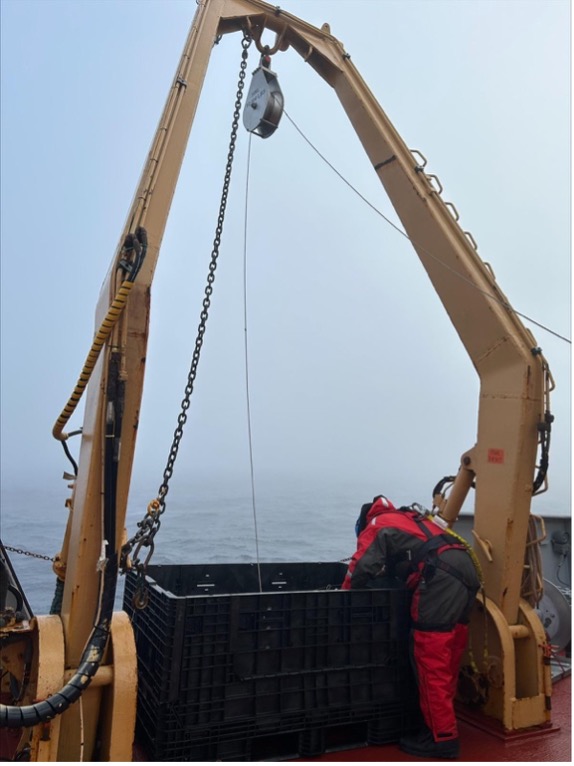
[{"x": 264, "y": 103}]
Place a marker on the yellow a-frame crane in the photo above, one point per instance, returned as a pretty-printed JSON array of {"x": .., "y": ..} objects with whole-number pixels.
[{"x": 513, "y": 418}]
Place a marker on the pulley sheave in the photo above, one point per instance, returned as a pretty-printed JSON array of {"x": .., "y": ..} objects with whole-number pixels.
[{"x": 264, "y": 103}]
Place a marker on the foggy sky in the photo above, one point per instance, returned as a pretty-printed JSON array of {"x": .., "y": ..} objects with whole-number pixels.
[{"x": 356, "y": 374}]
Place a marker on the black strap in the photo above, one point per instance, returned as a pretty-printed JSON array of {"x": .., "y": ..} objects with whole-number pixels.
[
  {"x": 432, "y": 544},
  {"x": 440, "y": 564},
  {"x": 428, "y": 554}
]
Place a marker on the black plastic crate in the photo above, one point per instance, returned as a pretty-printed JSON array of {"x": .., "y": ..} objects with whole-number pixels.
[
  {"x": 225, "y": 669},
  {"x": 177, "y": 743}
]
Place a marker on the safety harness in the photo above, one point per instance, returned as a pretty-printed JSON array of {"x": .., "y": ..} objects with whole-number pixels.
[
  {"x": 430, "y": 555},
  {"x": 427, "y": 560}
]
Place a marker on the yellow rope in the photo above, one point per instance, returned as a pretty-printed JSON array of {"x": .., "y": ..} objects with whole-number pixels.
[
  {"x": 471, "y": 552},
  {"x": 113, "y": 314}
]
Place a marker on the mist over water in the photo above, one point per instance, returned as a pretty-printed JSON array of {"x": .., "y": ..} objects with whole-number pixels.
[
  {"x": 211, "y": 520},
  {"x": 207, "y": 524}
]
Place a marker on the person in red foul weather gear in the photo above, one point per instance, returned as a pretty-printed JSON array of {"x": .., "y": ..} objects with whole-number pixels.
[{"x": 437, "y": 566}]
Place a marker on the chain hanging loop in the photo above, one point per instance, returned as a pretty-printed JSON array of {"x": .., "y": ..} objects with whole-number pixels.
[{"x": 150, "y": 524}]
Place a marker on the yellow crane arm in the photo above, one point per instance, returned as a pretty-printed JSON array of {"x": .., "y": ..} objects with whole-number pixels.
[{"x": 512, "y": 372}]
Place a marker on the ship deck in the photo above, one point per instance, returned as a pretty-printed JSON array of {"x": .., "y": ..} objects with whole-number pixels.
[{"x": 481, "y": 744}]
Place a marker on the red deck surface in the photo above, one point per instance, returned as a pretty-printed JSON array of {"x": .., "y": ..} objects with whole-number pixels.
[
  {"x": 555, "y": 745},
  {"x": 477, "y": 745}
]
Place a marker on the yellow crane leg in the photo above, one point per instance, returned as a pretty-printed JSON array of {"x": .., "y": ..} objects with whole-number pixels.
[
  {"x": 115, "y": 684},
  {"x": 511, "y": 674}
]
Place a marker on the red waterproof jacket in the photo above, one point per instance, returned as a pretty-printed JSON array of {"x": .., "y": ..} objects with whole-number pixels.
[
  {"x": 388, "y": 544},
  {"x": 396, "y": 543}
]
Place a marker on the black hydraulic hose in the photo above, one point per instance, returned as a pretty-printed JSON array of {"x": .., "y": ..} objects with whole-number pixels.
[
  {"x": 30, "y": 715},
  {"x": 545, "y": 429},
  {"x": 68, "y": 453},
  {"x": 441, "y": 485}
]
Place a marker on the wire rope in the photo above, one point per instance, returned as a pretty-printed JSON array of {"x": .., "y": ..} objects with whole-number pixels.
[
  {"x": 246, "y": 349},
  {"x": 420, "y": 247}
]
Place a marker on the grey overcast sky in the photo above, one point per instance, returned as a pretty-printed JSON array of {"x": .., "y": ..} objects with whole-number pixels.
[{"x": 356, "y": 373}]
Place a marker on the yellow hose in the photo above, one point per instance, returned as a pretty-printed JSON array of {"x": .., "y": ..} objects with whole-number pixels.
[{"x": 113, "y": 314}]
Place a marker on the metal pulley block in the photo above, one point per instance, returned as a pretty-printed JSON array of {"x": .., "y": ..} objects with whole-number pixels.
[{"x": 264, "y": 103}]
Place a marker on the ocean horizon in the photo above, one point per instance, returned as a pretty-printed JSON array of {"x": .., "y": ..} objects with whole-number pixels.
[{"x": 208, "y": 522}]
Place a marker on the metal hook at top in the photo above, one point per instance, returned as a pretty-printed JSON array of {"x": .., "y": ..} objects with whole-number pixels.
[{"x": 256, "y": 33}]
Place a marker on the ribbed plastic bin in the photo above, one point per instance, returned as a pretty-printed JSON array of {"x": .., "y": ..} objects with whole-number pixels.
[{"x": 230, "y": 673}]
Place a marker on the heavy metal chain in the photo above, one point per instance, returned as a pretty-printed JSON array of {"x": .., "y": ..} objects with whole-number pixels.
[
  {"x": 29, "y": 553},
  {"x": 150, "y": 524}
]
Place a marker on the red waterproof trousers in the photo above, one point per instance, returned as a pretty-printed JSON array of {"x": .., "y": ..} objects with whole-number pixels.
[
  {"x": 437, "y": 657},
  {"x": 442, "y": 599},
  {"x": 440, "y": 609}
]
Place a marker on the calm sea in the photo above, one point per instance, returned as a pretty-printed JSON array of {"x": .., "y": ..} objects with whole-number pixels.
[
  {"x": 208, "y": 524},
  {"x": 211, "y": 522}
]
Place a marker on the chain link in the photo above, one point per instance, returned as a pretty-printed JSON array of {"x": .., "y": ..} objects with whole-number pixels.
[
  {"x": 150, "y": 524},
  {"x": 29, "y": 553}
]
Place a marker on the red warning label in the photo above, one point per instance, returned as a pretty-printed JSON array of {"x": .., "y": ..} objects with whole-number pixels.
[{"x": 495, "y": 455}]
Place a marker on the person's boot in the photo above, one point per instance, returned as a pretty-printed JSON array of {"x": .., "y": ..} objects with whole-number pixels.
[
  {"x": 421, "y": 735},
  {"x": 424, "y": 745}
]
